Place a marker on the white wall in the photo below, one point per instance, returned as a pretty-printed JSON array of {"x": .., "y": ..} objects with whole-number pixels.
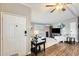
[
  {"x": 15, "y": 8},
  {"x": 41, "y": 29}
]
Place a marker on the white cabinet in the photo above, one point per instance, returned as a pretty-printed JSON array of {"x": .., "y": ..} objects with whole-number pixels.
[{"x": 13, "y": 38}]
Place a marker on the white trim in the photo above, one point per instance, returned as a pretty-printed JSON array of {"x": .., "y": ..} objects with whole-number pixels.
[
  {"x": 0, "y": 36},
  {"x": 13, "y": 14},
  {"x": 1, "y": 31}
]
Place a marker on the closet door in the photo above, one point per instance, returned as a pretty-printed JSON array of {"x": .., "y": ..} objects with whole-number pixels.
[
  {"x": 14, "y": 38},
  {"x": 73, "y": 30}
]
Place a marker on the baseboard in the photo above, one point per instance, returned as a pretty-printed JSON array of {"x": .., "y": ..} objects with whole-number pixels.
[{"x": 16, "y": 54}]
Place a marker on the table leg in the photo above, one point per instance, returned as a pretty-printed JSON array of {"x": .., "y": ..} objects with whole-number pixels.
[
  {"x": 36, "y": 50},
  {"x": 31, "y": 45},
  {"x": 74, "y": 40},
  {"x": 39, "y": 48},
  {"x": 44, "y": 46}
]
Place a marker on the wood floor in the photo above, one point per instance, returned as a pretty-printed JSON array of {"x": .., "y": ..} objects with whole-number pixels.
[{"x": 61, "y": 49}]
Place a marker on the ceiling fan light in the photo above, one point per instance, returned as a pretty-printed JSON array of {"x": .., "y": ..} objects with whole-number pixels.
[{"x": 59, "y": 7}]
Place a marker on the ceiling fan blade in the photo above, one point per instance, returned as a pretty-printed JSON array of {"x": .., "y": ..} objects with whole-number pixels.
[
  {"x": 52, "y": 11},
  {"x": 68, "y": 3},
  {"x": 50, "y": 5}
]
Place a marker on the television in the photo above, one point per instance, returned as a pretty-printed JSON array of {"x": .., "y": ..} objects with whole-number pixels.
[{"x": 56, "y": 30}]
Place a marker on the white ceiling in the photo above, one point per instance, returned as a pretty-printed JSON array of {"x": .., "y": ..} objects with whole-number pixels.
[{"x": 41, "y": 14}]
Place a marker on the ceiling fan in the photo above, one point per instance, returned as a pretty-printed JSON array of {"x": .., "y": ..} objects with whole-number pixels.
[{"x": 58, "y": 6}]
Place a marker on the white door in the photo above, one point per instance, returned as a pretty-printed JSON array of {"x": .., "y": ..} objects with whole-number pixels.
[
  {"x": 14, "y": 39},
  {"x": 20, "y": 28},
  {"x": 73, "y": 29}
]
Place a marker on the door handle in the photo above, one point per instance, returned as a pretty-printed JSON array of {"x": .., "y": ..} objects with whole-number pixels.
[{"x": 25, "y": 32}]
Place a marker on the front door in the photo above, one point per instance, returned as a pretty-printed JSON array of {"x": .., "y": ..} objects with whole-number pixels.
[{"x": 14, "y": 37}]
